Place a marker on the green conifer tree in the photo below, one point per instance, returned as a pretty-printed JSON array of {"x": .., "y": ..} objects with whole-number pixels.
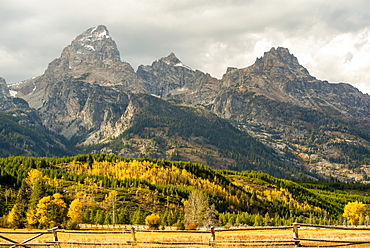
[{"x": 17, "y": 216}]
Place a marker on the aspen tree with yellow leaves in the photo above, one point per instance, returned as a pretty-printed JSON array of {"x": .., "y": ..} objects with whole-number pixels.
[
  {"x": 14, "y": 219},
  {"x": 51, "y": 211},
  {"x": 75, "y": 211},
  {"x": 33, "y": 176},
  {"x": 354, "y": 211}
]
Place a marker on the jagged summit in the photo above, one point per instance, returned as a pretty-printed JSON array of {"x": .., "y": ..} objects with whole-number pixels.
[
  {"x": 280, "y": 60},
  {"x": 173, "y": 60},
  {"x": 93, "y": 57},
  {"x": 165, "y": 75},
  {"x": 98, "y": 32},
  {"x": 94, "y": 44}
]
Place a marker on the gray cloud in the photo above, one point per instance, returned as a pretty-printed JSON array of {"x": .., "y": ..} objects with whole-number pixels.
[{"x": 205, "y": 34}]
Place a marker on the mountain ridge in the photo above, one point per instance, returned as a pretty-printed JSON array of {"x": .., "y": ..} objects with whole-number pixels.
[{"x": 312, "y": 126}]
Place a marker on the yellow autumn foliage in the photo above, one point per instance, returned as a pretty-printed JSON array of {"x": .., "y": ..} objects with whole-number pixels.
[
  {"x": 75, "y": 211},
  {"x": 153, "y": 221},
  {"x": 43, "y": 213},
  {"x": 33, "y": 176},
  {"x": 354, "y": 211},
  {"x": 285, "y": 196},
  {"x": 155, "y": 174}
]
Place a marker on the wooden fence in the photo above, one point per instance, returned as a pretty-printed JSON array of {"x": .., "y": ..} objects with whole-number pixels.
[
  {"x": 296, "y": 240},
  {"x": 323, "y": 242},
  {"x": 24, "y": 242}
]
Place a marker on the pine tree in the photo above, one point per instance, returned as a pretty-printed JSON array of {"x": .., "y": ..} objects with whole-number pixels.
[
  {"x": 138, "y": 218},
  {"x": 123, "y": 216},
  {"x": 89, "y": 161},
  {"x": 38, "y": 191},
  {"x": 100, "y": 217}
]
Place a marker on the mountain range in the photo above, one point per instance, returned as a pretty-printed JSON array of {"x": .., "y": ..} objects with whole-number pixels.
[{"x": 272, "y": 116}]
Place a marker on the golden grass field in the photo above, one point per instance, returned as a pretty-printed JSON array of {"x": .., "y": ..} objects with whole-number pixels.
[{"x": 114, "y": 240}]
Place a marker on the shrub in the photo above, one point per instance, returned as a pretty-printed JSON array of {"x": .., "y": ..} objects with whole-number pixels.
[
  {"x": 192, "y": 227},
  {"x": 153, "y": 221}
]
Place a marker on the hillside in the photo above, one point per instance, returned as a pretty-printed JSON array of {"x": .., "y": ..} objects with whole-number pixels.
[
  {"x": 144, "y": 186},
  {"x": 22, "y": 134},
  {"x": 170, "y": 130}
]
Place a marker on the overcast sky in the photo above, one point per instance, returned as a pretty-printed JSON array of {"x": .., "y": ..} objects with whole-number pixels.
[{"x": 331, "y": 38}]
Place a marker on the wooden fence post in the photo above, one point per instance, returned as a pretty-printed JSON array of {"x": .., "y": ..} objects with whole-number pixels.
[
  {"x": 55, "y": 233},
  {"x": 295, "y": 234},
  {"x": 212, "y": 241},
  {"x": 213, "y": 233},
  {"x": 133, "y": 234}
]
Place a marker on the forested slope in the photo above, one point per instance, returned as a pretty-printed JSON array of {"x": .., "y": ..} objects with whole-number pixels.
[{"x": 120, "y": 190}]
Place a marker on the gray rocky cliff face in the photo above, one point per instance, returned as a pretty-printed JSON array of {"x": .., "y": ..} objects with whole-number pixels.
[
  {"x": 85, "y": 112},
  {"x": 81, "y": 94},
  {"x": 170, "y": 78},
  {"x": 277, "y": 76},
  {"x": 276, "y": 99},
  {"x": 166, "y": 75},
  {"x": 8, "y": 102}
]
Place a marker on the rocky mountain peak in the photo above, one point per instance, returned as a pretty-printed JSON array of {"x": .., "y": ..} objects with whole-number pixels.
[
  {"x": 93, "y": 57},
  {"x": 172, "y": 60},
  {"x": 94, "y": 44},
  {"x": 280, "y": 60}
]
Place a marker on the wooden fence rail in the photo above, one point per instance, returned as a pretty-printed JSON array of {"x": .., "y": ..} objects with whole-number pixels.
[
  {"x": 296, "y": 240},
  {"x": 23, "y": 243}
]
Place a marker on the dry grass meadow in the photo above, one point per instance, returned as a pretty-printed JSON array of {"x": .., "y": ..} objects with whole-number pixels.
[{"x": 115, "y": 240}]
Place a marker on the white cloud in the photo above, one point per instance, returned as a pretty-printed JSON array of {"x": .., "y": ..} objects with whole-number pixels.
[{"x": 345, "y": 58}]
